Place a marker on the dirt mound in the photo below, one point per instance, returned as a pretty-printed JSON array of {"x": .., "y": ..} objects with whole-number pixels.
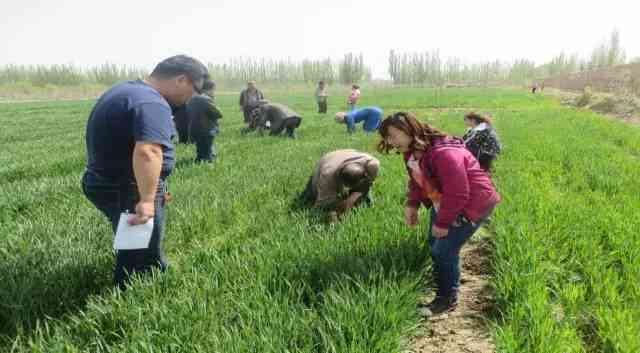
[{"x": 624, "y": 107}]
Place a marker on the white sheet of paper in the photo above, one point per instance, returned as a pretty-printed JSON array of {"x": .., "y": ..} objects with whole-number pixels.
[{"x": 130, "y": 237}]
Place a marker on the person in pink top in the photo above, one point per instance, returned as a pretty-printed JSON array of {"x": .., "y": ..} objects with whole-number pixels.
[
  {"x": 352, "y": 100},
  {"x": 446, "y": 177}
]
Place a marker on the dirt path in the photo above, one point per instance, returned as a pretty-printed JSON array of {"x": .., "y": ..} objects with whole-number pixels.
[{"x": 465, "y": 330}]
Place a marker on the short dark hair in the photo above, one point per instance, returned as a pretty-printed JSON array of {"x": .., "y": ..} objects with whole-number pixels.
[
  {"x": 352, "y": 175},
  {"x": 478, "y": 118},
  {"x": 355, "y": 87},
  {"x": 185, "y": 65}
]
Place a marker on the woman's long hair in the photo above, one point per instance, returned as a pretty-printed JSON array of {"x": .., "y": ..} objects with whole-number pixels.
[{"x": 422, "y": 134}]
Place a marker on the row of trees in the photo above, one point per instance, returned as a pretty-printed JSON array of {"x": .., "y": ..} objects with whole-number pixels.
[
  {"x": 428, "y": 68},
  {"x": 236, "y": 71},
  {"x": 350, "y": 69},
  {"x": 420, "y": 68},
  {"x": 68, "y": 75}
]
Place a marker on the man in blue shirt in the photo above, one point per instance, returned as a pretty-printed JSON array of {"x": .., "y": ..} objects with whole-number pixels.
[
  {"x": 370, "y": 116},
  {"x": 130, "y": 154}
]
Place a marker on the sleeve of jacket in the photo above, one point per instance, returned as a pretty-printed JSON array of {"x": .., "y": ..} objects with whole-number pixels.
[
  {"x": 242, "y": 98},
  {"x": 212, "y": 111},
  {"x": 414, "y": 194},
  {"x": 452, "y": 173}
]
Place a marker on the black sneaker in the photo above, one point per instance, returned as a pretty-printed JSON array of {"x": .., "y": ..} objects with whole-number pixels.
[{"x": 440, "y": 305}]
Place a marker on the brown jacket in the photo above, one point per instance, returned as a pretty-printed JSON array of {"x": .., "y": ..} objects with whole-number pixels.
[{"x": 326, "y": 177}]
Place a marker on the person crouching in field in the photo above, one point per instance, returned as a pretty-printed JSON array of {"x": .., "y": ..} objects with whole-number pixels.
[
  {"x": 481, "y": 139},
  {"x": 278, "y": 118},
  {"x": 443, "y": 176},
  {"x": 341, "y": 180},
  {"x": 353, "y": 97},
  {"x": 322, "y": 95},
  {"x": 370, "y": 116},
  {"x": 130, "y": 154},
  {"x": 203, "y": 116}
]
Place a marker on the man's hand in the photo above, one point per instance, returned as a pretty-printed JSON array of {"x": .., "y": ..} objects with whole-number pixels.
[
  {"x": 147, "y": 163},
  {"x": 350, "y": 202},
  {"x": 439, "y": 232},
  {"x": 411, "y": 216},
  {"x": 144, "y": 211},
  {"x": 333, "y": 217}
]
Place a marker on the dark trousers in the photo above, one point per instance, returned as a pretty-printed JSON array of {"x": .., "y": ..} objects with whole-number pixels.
[
  {"x": 247, "y": 113},
  {"x": 112, "y": 198},
  {"x": 205, "y": 148},
  {"x": 183, "y": 135},
  {"x": 322, "y": 107},
  {"x": 445, "y": 255},
  {"x": 288, "y": 124}
]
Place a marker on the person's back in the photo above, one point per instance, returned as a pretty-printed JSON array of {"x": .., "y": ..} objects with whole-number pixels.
[
  {"x": 279, "y": 117},
  {"x": 444, "y": 160},
  {"x": 120, "y": 117},
  {"x": 370, "y": 115},
  {"x": 325, "y": 180},
  {"x": 203, "y": 115},
  {"x": 484, "y": 144}
]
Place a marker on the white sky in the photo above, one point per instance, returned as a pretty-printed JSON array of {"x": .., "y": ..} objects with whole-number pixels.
[{"x": 142, "y": 32}]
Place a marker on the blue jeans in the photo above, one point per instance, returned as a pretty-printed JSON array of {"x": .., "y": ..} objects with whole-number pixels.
[
  {"x": 113, "y": 197},
  {"x": 445, "y": 255},
  {"x": 205, "y": 148}
]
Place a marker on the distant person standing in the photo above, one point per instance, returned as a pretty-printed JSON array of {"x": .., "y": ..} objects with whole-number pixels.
[
  {"x": 534, "y": 88},
  {"x": 353, "y": 98},
  {"x": 203, "y": 116},
  {"x": 249, "y": 99},
  {"x": 481, "y": 139},
  {"x": 369, "y": 116},
  {"x": 322, "y": 95},
  {"x": 130, "y": 154}
]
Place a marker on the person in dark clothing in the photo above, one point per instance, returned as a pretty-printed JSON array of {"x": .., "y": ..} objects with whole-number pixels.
[
  {"x": 181, "y": 121},
  {"x": 203, "y": 116},
  {"x": 130, "y": 154},
  {"x": 275, "y": 117},
  {"x": 250, "y": 99},
  {"x": 481, "y": 139}
]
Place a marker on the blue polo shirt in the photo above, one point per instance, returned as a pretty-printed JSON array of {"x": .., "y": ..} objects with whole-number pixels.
[
  {"x": 370, "y": 115},
  {"x": 129, "y": 112}
]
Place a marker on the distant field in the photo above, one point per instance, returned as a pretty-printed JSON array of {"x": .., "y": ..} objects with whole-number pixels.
[{"x": 250, "y": 274}]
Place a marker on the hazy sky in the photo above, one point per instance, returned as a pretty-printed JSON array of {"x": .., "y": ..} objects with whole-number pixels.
[{"x": 142, "y": 32}]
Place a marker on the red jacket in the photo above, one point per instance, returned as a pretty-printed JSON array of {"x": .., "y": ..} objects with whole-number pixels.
[{"x": 463, "y": 186}]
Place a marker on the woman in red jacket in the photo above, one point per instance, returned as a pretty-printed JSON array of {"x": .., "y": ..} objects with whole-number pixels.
[{"x": 445, "y": 176}]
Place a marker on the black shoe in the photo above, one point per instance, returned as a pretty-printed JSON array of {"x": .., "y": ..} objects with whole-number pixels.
[{"x": 440, "y": 305}]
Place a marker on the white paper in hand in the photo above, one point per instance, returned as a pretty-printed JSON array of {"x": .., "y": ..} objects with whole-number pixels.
[{"x": 130, "y": 237}]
